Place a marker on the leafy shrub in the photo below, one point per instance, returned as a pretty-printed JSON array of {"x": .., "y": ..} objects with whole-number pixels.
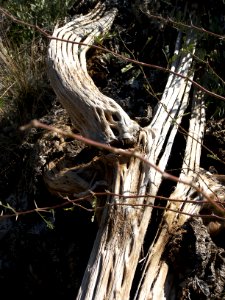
[{"x": 23, "y": 51}]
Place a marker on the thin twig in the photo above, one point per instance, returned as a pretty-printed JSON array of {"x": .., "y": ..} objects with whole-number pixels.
[
  {"x": 16, "y": 214},
  {"x": 129, "y": 153},
  {"x": 120, "y": 56},
  {"x": 191, "y": 26}
]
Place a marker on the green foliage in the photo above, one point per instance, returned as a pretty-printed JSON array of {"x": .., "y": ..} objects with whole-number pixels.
[
  {"x": 23, "y": 51},
  {"x": 49, "y": 222},
  {"x": 94, "y": 206},
  {"x": 103, "y": 37},
  {"x": 43, "y": 13}
]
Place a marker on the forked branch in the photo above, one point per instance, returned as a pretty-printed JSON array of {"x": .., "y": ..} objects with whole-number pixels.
[{"x": 116, "y": 251}]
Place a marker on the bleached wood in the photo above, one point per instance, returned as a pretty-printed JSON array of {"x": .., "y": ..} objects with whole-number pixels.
[
  {"x": 156, "y": 270},
  {"x": 116, "y": 251},
  {"x": 115, "y": 254},
  {"x": 95, "y": 115},
  {"x": 155, "y": 276}
]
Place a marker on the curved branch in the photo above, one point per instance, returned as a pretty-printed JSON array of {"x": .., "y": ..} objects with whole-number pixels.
[{"x": 95, "y": 115}]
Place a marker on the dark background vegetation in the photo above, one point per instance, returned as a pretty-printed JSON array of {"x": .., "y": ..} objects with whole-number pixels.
[{"x": 46, "y": 254}]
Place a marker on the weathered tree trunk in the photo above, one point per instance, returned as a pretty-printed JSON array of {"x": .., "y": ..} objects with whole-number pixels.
[{"x": 116, "y": 252}]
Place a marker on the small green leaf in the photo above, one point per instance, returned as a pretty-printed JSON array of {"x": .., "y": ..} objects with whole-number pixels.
[{"x": 127, "y": 68}]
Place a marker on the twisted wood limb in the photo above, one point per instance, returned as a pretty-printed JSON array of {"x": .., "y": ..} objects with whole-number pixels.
[
  {"x": 117, "y": 248},
  {"x": 113, "y": 262},
  {"x": 95, "y": 115}
]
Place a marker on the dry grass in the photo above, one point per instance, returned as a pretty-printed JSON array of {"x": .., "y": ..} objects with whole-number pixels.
[{"x": 22, "y": 73}]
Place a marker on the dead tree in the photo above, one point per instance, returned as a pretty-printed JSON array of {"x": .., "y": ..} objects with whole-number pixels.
[{"x": 116, "y": 252}]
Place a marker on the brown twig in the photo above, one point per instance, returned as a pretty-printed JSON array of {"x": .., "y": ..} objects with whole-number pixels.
[
  {"x": 129, "y": 153},
  {"x": 88, "y": 197},
  {"x": 164, "y": 174},
  {"x": 191, "y": 26}
]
